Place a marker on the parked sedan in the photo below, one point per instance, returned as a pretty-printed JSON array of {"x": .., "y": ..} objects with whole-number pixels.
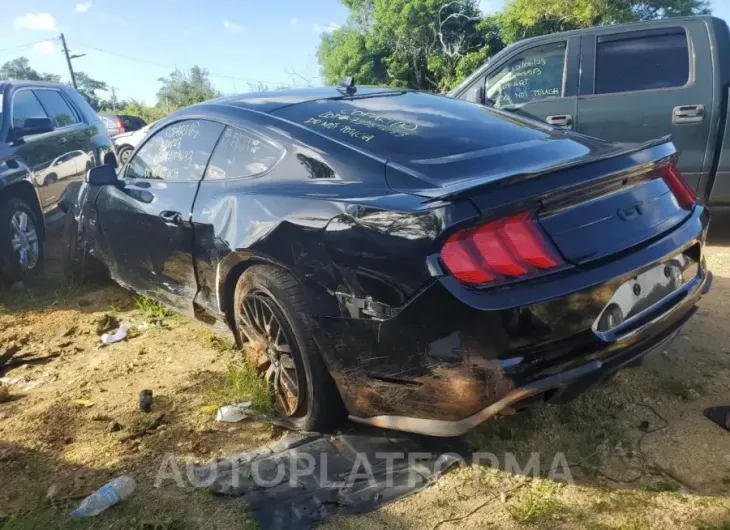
[
  {"x": 418, "y": 262},
  {"x": 126, "y": 143}
]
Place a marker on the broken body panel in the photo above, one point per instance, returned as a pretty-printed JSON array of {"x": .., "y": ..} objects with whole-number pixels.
[{"x": 408, "y": 345}]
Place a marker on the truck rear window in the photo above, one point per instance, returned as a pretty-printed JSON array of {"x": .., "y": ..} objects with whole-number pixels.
[{"x": 412, "y": 125}]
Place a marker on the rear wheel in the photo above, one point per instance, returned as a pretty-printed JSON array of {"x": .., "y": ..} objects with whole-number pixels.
[
  {"x": 21, "y": 249},
  {"x": 270, "y": 317}
]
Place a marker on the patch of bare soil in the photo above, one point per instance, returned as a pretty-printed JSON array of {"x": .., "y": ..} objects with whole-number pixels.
[{"x": 66, "y": 423}]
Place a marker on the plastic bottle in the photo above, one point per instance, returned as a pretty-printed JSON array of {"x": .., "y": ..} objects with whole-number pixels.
[{"x": 108, "y": 495}]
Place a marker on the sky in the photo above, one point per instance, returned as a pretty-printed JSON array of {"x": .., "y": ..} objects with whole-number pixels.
[{"x": 131, "y": 43}]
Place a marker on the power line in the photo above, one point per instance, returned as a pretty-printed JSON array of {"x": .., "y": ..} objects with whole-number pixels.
[
  {"x": 212, "y": 74},
  {"x": 27, "y": 45}
]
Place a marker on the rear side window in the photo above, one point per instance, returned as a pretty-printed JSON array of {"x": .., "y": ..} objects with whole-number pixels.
[
  {"x": 25, "y": 106},
  {"x": 179, "y": 152},
  {"x": 653, "y": 60},
  {"x": 534, "y": 74},
  {"x": 241, "y": 154},
  {"x": 58, "y": 109}
]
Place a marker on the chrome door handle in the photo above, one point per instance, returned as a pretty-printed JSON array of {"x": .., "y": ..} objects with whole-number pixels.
[
  {"x": 561, "y": 120},
  {"x": 688, "y": 114}
]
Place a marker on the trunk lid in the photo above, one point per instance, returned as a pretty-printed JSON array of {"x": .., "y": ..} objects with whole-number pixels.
[{"x": 590, "y": 206}]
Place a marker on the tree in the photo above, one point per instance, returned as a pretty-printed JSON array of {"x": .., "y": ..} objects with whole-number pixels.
[
  {"x": 87, "y": 87},
  {"x": 409, "y": 43},
  {"x": 184, "y": 88},
  {"x": 20, "y": 69},
  {"x": 530, "y": 18},
  {"x": 434, "y": 44}
]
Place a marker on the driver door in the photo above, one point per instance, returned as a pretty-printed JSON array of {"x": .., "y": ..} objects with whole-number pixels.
[
  {"x": 535, "y": 80},
  {"x": 143, "y": 224}
]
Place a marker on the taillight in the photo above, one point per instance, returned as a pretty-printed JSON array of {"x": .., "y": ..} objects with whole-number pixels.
[
  {"x": 684, "y": 194},
  {"x": 505, "y": 248},
  {"x": 120, "y": 124}
]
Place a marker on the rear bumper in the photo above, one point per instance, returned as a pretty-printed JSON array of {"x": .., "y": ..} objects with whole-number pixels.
[
  {"x": 558, "y": 388},
  {"x": 454, "y": 357}
]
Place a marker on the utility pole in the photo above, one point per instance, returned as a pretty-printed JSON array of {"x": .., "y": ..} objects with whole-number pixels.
[
  {"x": 114, "y": 99},
  {"x": 68, "y": 60}
]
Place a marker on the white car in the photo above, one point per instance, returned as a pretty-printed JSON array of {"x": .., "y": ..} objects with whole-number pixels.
[{"x": 127, "y": 142}]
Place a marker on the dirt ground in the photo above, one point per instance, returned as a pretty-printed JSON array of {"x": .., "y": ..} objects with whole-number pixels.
[{"x": 638, "y": 451}]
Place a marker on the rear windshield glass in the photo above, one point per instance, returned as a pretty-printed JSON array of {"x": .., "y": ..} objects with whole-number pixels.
[{"x": 412, "y": 126}]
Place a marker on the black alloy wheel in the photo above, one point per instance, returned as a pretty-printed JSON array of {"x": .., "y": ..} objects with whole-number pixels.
[{"x": 270, "y": 335}]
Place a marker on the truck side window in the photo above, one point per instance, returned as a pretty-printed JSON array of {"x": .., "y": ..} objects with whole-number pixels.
[
  {"x": 656, "y": 59},
  {"x": 534, "y": 74}
]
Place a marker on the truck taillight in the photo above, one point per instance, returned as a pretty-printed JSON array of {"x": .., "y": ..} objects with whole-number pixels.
[
  {"x": 682, "y": 191},
  {"x": 505, "y": 248}
]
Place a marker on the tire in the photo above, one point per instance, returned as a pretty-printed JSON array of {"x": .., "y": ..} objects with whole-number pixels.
[
  {"x": 12, "y": 266},
  {"x": 78, "y": 266},
  {"x": 319, "y": 406},
  {"x": 50, "y": 179},
  {"x": 124, "y": 153}
]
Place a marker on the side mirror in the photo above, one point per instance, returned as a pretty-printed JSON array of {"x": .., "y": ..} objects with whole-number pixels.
[
  {"x": 33, "y": 126},
  {"x": 102, "y": 175}
]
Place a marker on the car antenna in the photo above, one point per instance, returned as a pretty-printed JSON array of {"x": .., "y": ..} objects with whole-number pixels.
[{"x": 347, "y": 86}]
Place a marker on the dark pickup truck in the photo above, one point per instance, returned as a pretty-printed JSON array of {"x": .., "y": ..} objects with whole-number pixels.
[{"x": 626, "y": 83}]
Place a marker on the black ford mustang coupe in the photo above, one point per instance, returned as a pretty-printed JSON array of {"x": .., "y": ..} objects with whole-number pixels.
[{"x": 413, "y": 261}]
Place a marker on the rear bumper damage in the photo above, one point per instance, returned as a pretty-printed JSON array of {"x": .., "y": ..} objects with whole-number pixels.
[{"x": 451, "y": 359}]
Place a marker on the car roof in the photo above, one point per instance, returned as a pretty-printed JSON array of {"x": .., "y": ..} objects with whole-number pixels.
[
  {"x": 19, "y": 83},
  {"x": 275, "y": 99}
]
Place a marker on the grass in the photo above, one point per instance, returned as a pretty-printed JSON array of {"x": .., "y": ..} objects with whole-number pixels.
[
  {"x": 152, "y": 310},
  {"x": 535, "y": 504},
  {"x": 242, "y": 382},
  {"x": 38, "y": 294}
]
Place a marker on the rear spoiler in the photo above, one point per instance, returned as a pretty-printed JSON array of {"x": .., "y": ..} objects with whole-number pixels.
[{"x": 467, "y": 187}]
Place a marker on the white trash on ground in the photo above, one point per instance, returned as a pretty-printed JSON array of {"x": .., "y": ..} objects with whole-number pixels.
[
  {"x": 108, "y": 495},
  {"x": 111, "y": 338},
  {"x": 233, "y": 413}
]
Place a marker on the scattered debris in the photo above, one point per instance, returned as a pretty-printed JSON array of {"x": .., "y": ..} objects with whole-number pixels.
[
  {"x": 87, "y": 403},
  {"x": 70, "y": 331},
  {"x": 234, "y": 413},
  {"x": 144, "y": 326},
  {"x": 149, "y": 429},
  {"x": 108, "y": 495},
  {"x": 644, "y": 426},
  {"x": 100, "y": 417},
  {"x": 281, "y": 496},
  {"x": 106, "y": 323},
  {"x": 119, "y": 335},
  {"x": 145, "y": 400},
  {"x": 720, "y": 416},
  {"x": 114, "y": 427}
]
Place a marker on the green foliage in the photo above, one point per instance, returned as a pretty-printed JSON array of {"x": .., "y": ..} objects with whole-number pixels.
[
  {"x": 530, "y": 18},
  {"x": 152, "y": 310},
  {"x": 20, "y": 69},
  {"x": 183, "y": 88},
  {"x": 435, "y": 44},
  {"x": 87, "y": 87}
]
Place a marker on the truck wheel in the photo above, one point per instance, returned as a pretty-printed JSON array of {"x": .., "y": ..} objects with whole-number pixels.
[
  {"x": 271, "y": 325},
  {"x": 78, "y": 266},
  {"x": 21, "y": 249}
]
